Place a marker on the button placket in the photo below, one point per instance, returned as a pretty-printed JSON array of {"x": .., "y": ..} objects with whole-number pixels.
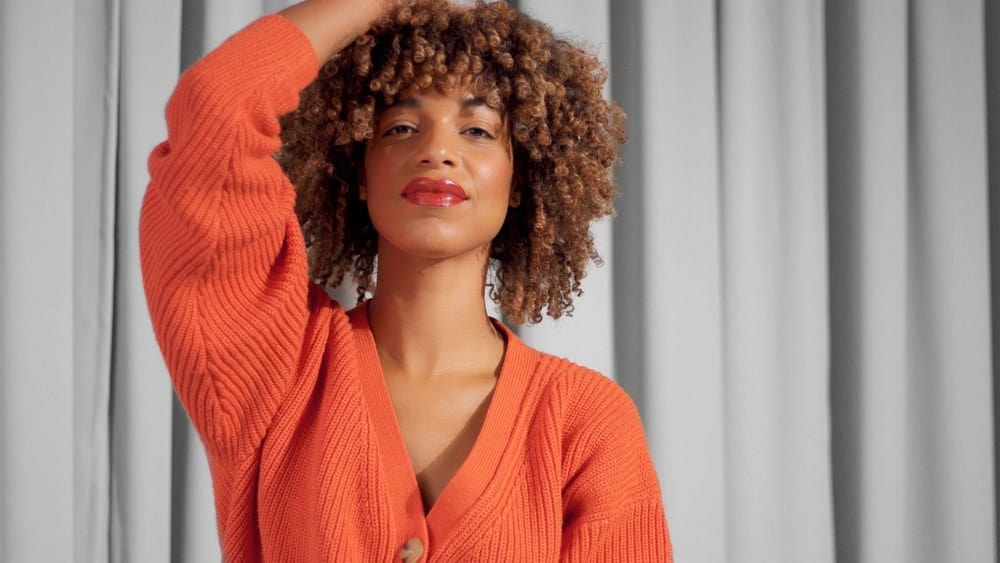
[{"x": 412, "y": 550}]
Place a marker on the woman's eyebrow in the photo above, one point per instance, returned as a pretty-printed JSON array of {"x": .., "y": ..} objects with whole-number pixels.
[
  {"x": 473, "y": 103},
  {"x": 406, "y": 103},
  {"x": 465, "y": 106}
]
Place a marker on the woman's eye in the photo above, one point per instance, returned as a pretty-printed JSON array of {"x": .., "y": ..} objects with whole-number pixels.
[
  {"x": 479, "y": 132},
  {"x": 399, "y": 130}
]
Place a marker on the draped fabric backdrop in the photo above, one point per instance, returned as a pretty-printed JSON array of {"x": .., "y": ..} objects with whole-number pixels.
[{"x": 797, "y": 289}]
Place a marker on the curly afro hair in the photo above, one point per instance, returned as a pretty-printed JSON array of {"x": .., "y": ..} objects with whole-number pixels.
[{"x": 565, "y": 138}]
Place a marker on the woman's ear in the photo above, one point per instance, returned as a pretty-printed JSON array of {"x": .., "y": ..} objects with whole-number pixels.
[
  {"x": 362, "y": 185},
  {"x": 515, "y": 191},
  {"x": 515, "y": 197}
]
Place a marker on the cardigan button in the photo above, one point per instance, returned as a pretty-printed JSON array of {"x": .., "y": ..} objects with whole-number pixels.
[{"x": 412, "y": 550}]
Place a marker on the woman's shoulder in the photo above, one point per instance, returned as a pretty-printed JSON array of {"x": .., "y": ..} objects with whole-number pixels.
[
  {"x": 600, "y": 429},
  {"x": 586, "y": 395}
]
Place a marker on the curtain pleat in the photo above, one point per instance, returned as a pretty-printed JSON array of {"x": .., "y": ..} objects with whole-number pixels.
[
  {"x": 192, "y": 533},
  {"x": 911, "y": 374},
  {"x": 141, "y": 392},
  {"x": 867, "y": 116},
  {"x": 774, "y": 282},
  {"x": 991, "y": 34},
  {"x": 36, "y": 272},
  {"x": 667, "y": 241},
  {"x": 95, "y": 143},
  {"x": 949, "y": 442}
]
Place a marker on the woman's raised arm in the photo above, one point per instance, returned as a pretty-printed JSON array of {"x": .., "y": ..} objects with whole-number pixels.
[
  {"x": 331, "y": 25},
  {"x": 223, "y": 259}
]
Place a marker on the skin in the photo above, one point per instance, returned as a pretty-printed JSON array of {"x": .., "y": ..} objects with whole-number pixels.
[
  {"x": 433, "y": 135},
  {"x": 439, "y": 351}
]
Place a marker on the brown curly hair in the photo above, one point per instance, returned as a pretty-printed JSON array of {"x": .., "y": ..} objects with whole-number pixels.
[{"x": 565, "y": 138}]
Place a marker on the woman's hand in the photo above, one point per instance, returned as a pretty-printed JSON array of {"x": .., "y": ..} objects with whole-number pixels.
[{"x": 331, "y": 25}]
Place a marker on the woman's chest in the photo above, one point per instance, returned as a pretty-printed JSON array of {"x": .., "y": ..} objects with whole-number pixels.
[
  {"x": 347, "y": 474},
  {"x": 439, "y": 423}
]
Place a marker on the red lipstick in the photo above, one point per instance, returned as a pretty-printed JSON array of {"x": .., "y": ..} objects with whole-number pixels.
[{"x": 434, "y": 193}]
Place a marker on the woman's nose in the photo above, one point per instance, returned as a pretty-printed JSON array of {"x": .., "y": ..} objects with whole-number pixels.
[{"x": 438, "y": 147}]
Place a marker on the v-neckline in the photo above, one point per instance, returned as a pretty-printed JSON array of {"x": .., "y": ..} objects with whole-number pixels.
[{"x": 474, "y": 474}]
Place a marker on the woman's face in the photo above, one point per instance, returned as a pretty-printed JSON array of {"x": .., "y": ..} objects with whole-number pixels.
[{"x": 438, "y": 174}]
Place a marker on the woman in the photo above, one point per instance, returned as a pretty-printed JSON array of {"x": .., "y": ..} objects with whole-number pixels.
[{"x": 435, "y": 140}]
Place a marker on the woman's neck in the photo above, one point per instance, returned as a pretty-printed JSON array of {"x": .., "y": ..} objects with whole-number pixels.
[{"x": 429, "y": 317}]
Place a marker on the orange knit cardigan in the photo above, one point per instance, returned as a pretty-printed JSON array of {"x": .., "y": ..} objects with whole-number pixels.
[{"x": 285, "y": 387}]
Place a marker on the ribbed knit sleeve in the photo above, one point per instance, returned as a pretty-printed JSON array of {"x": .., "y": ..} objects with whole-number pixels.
[
  {"x": 612, "y": 505},
  {"x": 223, "y": 259}
]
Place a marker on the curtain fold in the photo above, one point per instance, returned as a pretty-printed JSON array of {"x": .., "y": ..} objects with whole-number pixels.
[
  {"x": 774, "y": 282},
  {"x": 797, "y": 290},
  {"x": 37, "y": 207},
  {"x": 992, "y": 65},
  {"x": 141, "y": 393},
  {"x": 867, "y": 113},
  {"x": 911, "y": 377},
  {"x": 951, "y": 445},
  {"x": 95, "y": 149},
  {"x": 668, "y": 267}
]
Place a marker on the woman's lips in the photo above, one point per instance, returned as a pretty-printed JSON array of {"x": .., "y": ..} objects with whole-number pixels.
[{"x": 434, "y": 193}]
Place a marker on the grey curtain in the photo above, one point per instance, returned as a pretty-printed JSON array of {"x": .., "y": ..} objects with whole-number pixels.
[{"x": 797, "y": 291}]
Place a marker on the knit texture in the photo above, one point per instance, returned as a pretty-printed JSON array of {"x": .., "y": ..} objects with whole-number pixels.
[{"x": 285, "y": 387}]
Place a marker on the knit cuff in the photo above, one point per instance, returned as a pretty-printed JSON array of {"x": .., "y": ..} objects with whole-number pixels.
[{"x": 269, "y": 51}]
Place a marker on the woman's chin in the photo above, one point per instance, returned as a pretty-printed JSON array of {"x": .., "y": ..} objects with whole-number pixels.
[{"x": 435, "y": 243}]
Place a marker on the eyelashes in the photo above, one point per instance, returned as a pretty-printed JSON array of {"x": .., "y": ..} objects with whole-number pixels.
[
  {"x": 479, "y": 132},
  {"x": 398, "y": 130},
  {"x": 403, "y": 129}
]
